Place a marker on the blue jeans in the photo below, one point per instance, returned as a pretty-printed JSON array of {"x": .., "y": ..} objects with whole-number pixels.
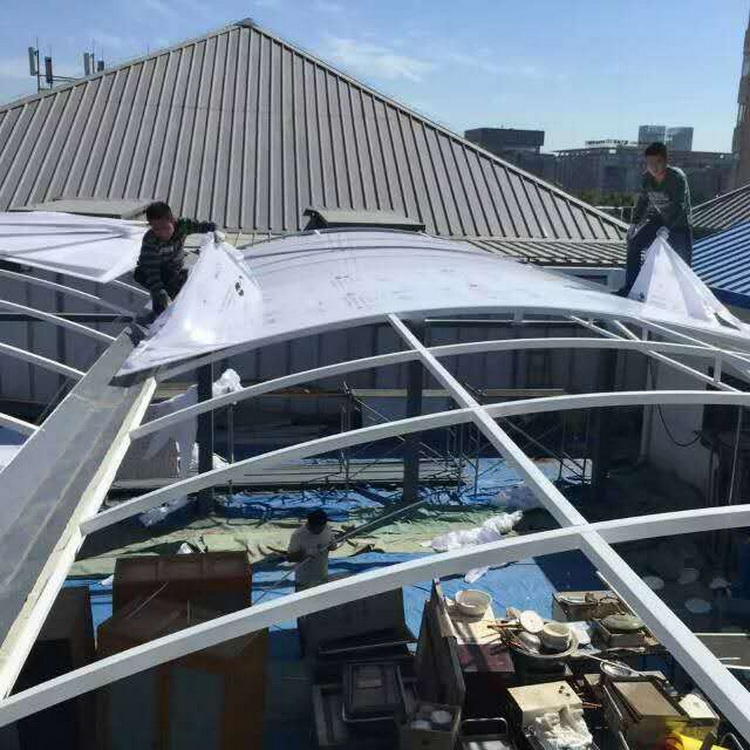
[{"x": 680, "y": 240}]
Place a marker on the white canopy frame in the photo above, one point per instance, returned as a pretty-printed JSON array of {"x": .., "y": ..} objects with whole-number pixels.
[
  {"x": 411, "y": 425},
  {"x": 17, "y": 425},
  {"x": 721, "y": 687},
  {"x": 594, "y": 539},
  {"x": 611, "y": 341},
  {"x": 66, "y": 290},
  {"x": 57, "y": 320},
  {"x": 39, "y": 361}
]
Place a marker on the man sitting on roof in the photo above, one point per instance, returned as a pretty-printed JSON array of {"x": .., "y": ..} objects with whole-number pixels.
[
  {"x": 161, "y": 264},
  {"x": 664, "y": 202}
]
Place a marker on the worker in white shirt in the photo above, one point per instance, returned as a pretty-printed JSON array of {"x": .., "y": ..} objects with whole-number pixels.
[{"x": 309, "y": 546}]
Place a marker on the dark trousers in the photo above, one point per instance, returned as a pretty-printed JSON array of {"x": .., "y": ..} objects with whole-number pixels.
[
  {"x": 173, "y": 281},
  {"x": 680, "y": 240}
]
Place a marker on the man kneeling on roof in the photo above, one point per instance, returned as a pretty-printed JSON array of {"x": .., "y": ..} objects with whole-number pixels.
[
  {"x": 663, "y": 206},
  {"x": 161, "y": 264},
  {"x": 309, "y": 546}
]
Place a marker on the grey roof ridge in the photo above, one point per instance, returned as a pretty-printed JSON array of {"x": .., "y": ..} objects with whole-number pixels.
[
  {"x": 723, "y": 197},
  {"x": 250, "y": 23}
]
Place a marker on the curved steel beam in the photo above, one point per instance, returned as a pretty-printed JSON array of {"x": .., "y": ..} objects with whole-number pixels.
[
  {"x": 402, "y": 427},
  {"x": 17, "y": 425},
  {"x": 67, "y": 290},
  {"x": 305, "y": 376},
  {"x": 58, "y": 321},
  {"x": 170, "y": 370},
  {"x": 137, "y": 291},
  {"x": 37, "y": 359},
  {"x": 728, "y": 693},
  {"x": 392, "y": 358}
]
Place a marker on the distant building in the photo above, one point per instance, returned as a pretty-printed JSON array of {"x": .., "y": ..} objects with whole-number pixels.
[
  {"x": 519, "y": 147},
  {"x": 652, "y": 134},
  {"x": 680, "y": 138},
  {"x": 741, "y": 139},
  {"x": 617, "y": 168},
  {"x": 677, "y": 138}
]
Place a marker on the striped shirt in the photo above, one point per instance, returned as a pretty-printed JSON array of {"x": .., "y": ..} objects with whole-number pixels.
[{"x": 160, "y": 259}]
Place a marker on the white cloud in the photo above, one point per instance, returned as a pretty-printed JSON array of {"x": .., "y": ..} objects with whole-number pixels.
[
  {"x": 376, "y": 61},
  {"x": 327, "y": 6},
  {"x": 485, "y": 61}
]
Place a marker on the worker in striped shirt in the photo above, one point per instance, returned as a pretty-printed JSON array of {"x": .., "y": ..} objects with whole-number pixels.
[{"x": 161, "y": 263}]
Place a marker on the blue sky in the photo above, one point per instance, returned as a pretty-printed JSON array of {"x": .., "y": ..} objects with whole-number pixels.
[{"x": 578, "y": 69}]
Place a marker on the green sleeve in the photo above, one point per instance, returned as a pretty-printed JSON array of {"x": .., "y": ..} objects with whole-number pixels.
[
  {"x": 676, "y": 209},
  {"x": 191, "y": 226}
]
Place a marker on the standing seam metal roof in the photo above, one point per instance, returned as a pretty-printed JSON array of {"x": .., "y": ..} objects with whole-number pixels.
[
  {"x": 241, "y": 128},
  {"x": 723, "y": 263},
  {"x": 723, "y": 212}
]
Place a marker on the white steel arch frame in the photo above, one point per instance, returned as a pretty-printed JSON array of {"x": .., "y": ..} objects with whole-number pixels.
[
  {"x": 593, "y": 539},
  {"x": 516, "y": 315},
  {"x": 17, "y": 425},
  {"x": 729, "y": 694},
  {"x": 58, "y": 321},
  {"x": 37, "y": 359},
  {"x": 67, "y": 290},
  {"x": 400, "y": 357}
]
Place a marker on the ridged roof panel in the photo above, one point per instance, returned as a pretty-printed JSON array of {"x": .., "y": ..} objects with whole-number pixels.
[{"x": 246, "y": 130}]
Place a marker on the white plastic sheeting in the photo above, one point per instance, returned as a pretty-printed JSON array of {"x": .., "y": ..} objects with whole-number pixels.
[
  {"x": 88, "y": 247},
  {"x": 491, "y": 530},
  {"x": 183, "y": 433},
  {"x": 319, "y": 281},
  {"x": 216, "y": 308},
  {"x": 667, "y": 283}
]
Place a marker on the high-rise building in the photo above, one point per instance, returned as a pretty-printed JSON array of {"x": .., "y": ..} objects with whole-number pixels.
[
  {"x": 741, "y": 139},
  {"x": 652, "y": 134},
  {"x": 680, "y": 138},
  {"x": 519, "y": 147}
]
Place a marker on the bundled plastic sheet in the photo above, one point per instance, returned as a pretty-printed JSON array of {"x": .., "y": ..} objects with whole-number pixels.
[
  {"x": 314, "y": 282},
  {"x": 87, "y": 247},
  {"x": 667, "y": 283}
]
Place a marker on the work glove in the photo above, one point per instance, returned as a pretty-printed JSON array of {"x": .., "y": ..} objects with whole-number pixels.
[
  {"x": 219, "y": 237},
  {"x": 161, "y": 301}
]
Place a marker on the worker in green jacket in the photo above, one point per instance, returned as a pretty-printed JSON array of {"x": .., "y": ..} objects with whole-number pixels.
[{"x": 664, "y": 202}]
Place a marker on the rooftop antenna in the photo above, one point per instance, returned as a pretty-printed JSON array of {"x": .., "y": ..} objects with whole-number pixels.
[
  {"x": 34, "y": 65},
  {"x": 45, "y": 78}
]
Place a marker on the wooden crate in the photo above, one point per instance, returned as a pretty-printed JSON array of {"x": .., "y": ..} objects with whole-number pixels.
[
  {"x": 218, "y": 581},
  {"x": 213, "y": 699}
]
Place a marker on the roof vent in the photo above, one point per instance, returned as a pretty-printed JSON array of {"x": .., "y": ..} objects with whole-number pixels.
[
  {"x": 246, "y": 23},
  {"x": 336, "y": 218}
]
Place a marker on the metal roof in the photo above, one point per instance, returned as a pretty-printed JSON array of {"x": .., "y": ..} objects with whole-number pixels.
[
  {"x": 724, "y": 211},
  {"x": 242, "y": 128},
  {"x": 723, "y": 263},
  {"x": 605, "y": 254},
  {"x": 115, "y": 209},
  {"x": 57, "y": 481}
]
